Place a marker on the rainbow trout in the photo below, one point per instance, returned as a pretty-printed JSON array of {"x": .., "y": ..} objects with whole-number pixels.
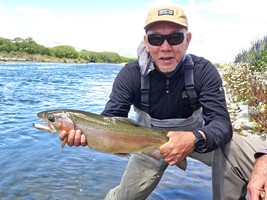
[{"x": 112, "y": 135}]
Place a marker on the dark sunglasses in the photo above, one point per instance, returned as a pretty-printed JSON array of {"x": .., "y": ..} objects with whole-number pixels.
[{"x": 173, "y": 38}]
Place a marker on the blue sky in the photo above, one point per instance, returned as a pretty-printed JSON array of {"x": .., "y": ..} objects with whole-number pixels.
[{"x": 220, "y": 28}]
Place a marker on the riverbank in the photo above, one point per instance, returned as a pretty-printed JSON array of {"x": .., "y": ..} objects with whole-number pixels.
[
  {"x": 241, "y": 121},
  {"x": 36, "y": 58}
]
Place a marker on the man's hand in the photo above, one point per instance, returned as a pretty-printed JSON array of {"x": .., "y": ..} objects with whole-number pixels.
[
  {"x": 75, "y": 138},
  {"x": 180, "y": 145},
  {"x": 258, "y": 179}
]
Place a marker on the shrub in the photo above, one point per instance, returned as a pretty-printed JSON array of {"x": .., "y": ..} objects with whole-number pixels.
[{"x": 249, "y": 86}]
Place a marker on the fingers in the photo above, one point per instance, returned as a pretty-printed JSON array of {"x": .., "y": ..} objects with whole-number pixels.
[
  {"x": 173, "y": 160},
  {"x": 175, "y": 150},
  {"x": 257, "y": 188},
  {"x": 71, "y": 138},
  {"x": 75, "y": 138},
  {"x": 79, "y": 139},
  {"x": 255, "y": 195},
  {"x": 83, "y": 140},
  {"x": 163, "y": 149},
  {"x": 62, "y": 135},
  {"x": 170, "y": 156}
]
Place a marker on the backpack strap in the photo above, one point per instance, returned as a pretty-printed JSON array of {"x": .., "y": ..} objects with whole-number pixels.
[
  {"x": 190, "y": 83},
  {"x": 145, "y": 88}
]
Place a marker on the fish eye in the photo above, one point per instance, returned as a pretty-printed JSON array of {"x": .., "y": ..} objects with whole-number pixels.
[{"x": 51, "y": 119}]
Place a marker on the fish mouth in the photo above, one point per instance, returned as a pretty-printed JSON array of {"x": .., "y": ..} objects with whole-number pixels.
[{"x": 42, "y": 127}]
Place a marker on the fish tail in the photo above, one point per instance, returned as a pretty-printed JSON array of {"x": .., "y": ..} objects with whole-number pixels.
[{"x": 182, "y": 165}]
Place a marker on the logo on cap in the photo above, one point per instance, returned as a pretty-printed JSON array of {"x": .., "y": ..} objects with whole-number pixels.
[{"x": 165, "y": 12}]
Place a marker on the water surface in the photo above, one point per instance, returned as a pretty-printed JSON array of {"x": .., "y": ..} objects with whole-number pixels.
[{"x": 32, "y": 164}]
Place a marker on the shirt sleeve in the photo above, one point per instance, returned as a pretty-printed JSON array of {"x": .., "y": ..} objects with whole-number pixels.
[
  {"x": 123, "y": 93},
  {"x": 260, "y": 153},
  {"x": 217, "y": 127}
]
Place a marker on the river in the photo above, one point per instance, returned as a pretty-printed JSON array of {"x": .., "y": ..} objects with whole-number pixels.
[{"x": 32, "y": 164}]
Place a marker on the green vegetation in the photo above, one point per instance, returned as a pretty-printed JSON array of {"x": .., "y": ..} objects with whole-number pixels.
[
  {"x": 28, "y": 50},
  {"x": 256, "y": 56},
  {"x": 247, "y": 82}
]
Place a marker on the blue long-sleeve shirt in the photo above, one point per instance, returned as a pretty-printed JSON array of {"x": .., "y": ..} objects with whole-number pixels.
[{"x": 168, "y": 98}]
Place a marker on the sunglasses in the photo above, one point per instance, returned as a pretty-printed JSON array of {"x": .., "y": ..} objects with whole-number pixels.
[{"x": 173, "y": 39}]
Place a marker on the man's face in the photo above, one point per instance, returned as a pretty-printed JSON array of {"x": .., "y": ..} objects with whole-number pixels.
[{"x": 166, "y": 56}]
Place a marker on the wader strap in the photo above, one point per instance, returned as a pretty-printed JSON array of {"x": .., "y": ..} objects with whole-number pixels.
[
  {"x": 188, "y": 66},
  {"x": 145, "y": 88},
  {"x": 190, "y": 83}
]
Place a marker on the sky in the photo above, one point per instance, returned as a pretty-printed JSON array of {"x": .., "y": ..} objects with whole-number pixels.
[{"x": 220, "y": 28}]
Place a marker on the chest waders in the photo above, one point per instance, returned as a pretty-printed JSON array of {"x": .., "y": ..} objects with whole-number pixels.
[
  {"x": 182, "y": 124},
  {"x": 143, "y": 172}
]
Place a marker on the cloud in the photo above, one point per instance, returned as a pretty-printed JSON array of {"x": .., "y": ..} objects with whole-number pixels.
[
  {"x": 35, "y": 12},
  {"x": 220, "y": 28},
  {"x": 252, "y": 9},
  {"x": 95, "y": 32},
  {"x": 224, "y": 28}
]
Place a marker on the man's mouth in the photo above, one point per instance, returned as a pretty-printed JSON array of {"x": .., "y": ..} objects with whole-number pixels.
[{"x": 165, "y": 58}]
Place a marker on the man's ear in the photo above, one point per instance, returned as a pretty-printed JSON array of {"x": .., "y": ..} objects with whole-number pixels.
[
  {"x": 188, "y": 39},
  {"x": 146, "y": 43}
]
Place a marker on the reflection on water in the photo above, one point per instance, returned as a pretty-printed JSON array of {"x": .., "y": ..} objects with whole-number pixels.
[{"x": 33, "y": 166}]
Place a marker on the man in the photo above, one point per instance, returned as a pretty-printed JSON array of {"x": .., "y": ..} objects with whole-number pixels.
[{"x": 170, "y": 90}]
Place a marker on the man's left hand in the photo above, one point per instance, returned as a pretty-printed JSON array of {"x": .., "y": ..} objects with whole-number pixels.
[
  {"x": 258, "y": 179},
  {"x": 180, "y": 145}
]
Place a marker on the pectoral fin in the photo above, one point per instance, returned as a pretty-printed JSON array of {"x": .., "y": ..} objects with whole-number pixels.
[{"x": 64, "y": 142}]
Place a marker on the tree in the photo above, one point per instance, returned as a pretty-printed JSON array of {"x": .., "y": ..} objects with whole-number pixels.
[
  {"x": 29, "y": 46},
  {"x": 6, "y": 45},
  {"x": 64, "y": 51}
]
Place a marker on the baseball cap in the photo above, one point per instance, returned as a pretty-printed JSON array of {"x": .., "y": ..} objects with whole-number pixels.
[{"x": 173, "y": 14}]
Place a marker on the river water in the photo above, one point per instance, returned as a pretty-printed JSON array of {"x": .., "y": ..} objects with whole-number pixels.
[{"x": 32, "y": 164}]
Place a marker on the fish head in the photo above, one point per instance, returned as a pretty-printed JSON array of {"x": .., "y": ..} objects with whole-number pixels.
[{"x": 55, "y": 121}]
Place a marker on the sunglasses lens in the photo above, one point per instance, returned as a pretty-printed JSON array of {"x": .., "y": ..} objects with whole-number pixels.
[
  {"x": 158, "y": 39},
  {"x": 175, "y": 38},
  {"x": 155, "y": 39}
]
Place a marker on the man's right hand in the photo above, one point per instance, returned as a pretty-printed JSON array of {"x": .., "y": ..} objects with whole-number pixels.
[{"x": 75, "y": 138}]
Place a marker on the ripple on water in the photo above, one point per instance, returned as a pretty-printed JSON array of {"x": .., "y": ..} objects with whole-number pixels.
[{"x": 33, "y": 163}]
